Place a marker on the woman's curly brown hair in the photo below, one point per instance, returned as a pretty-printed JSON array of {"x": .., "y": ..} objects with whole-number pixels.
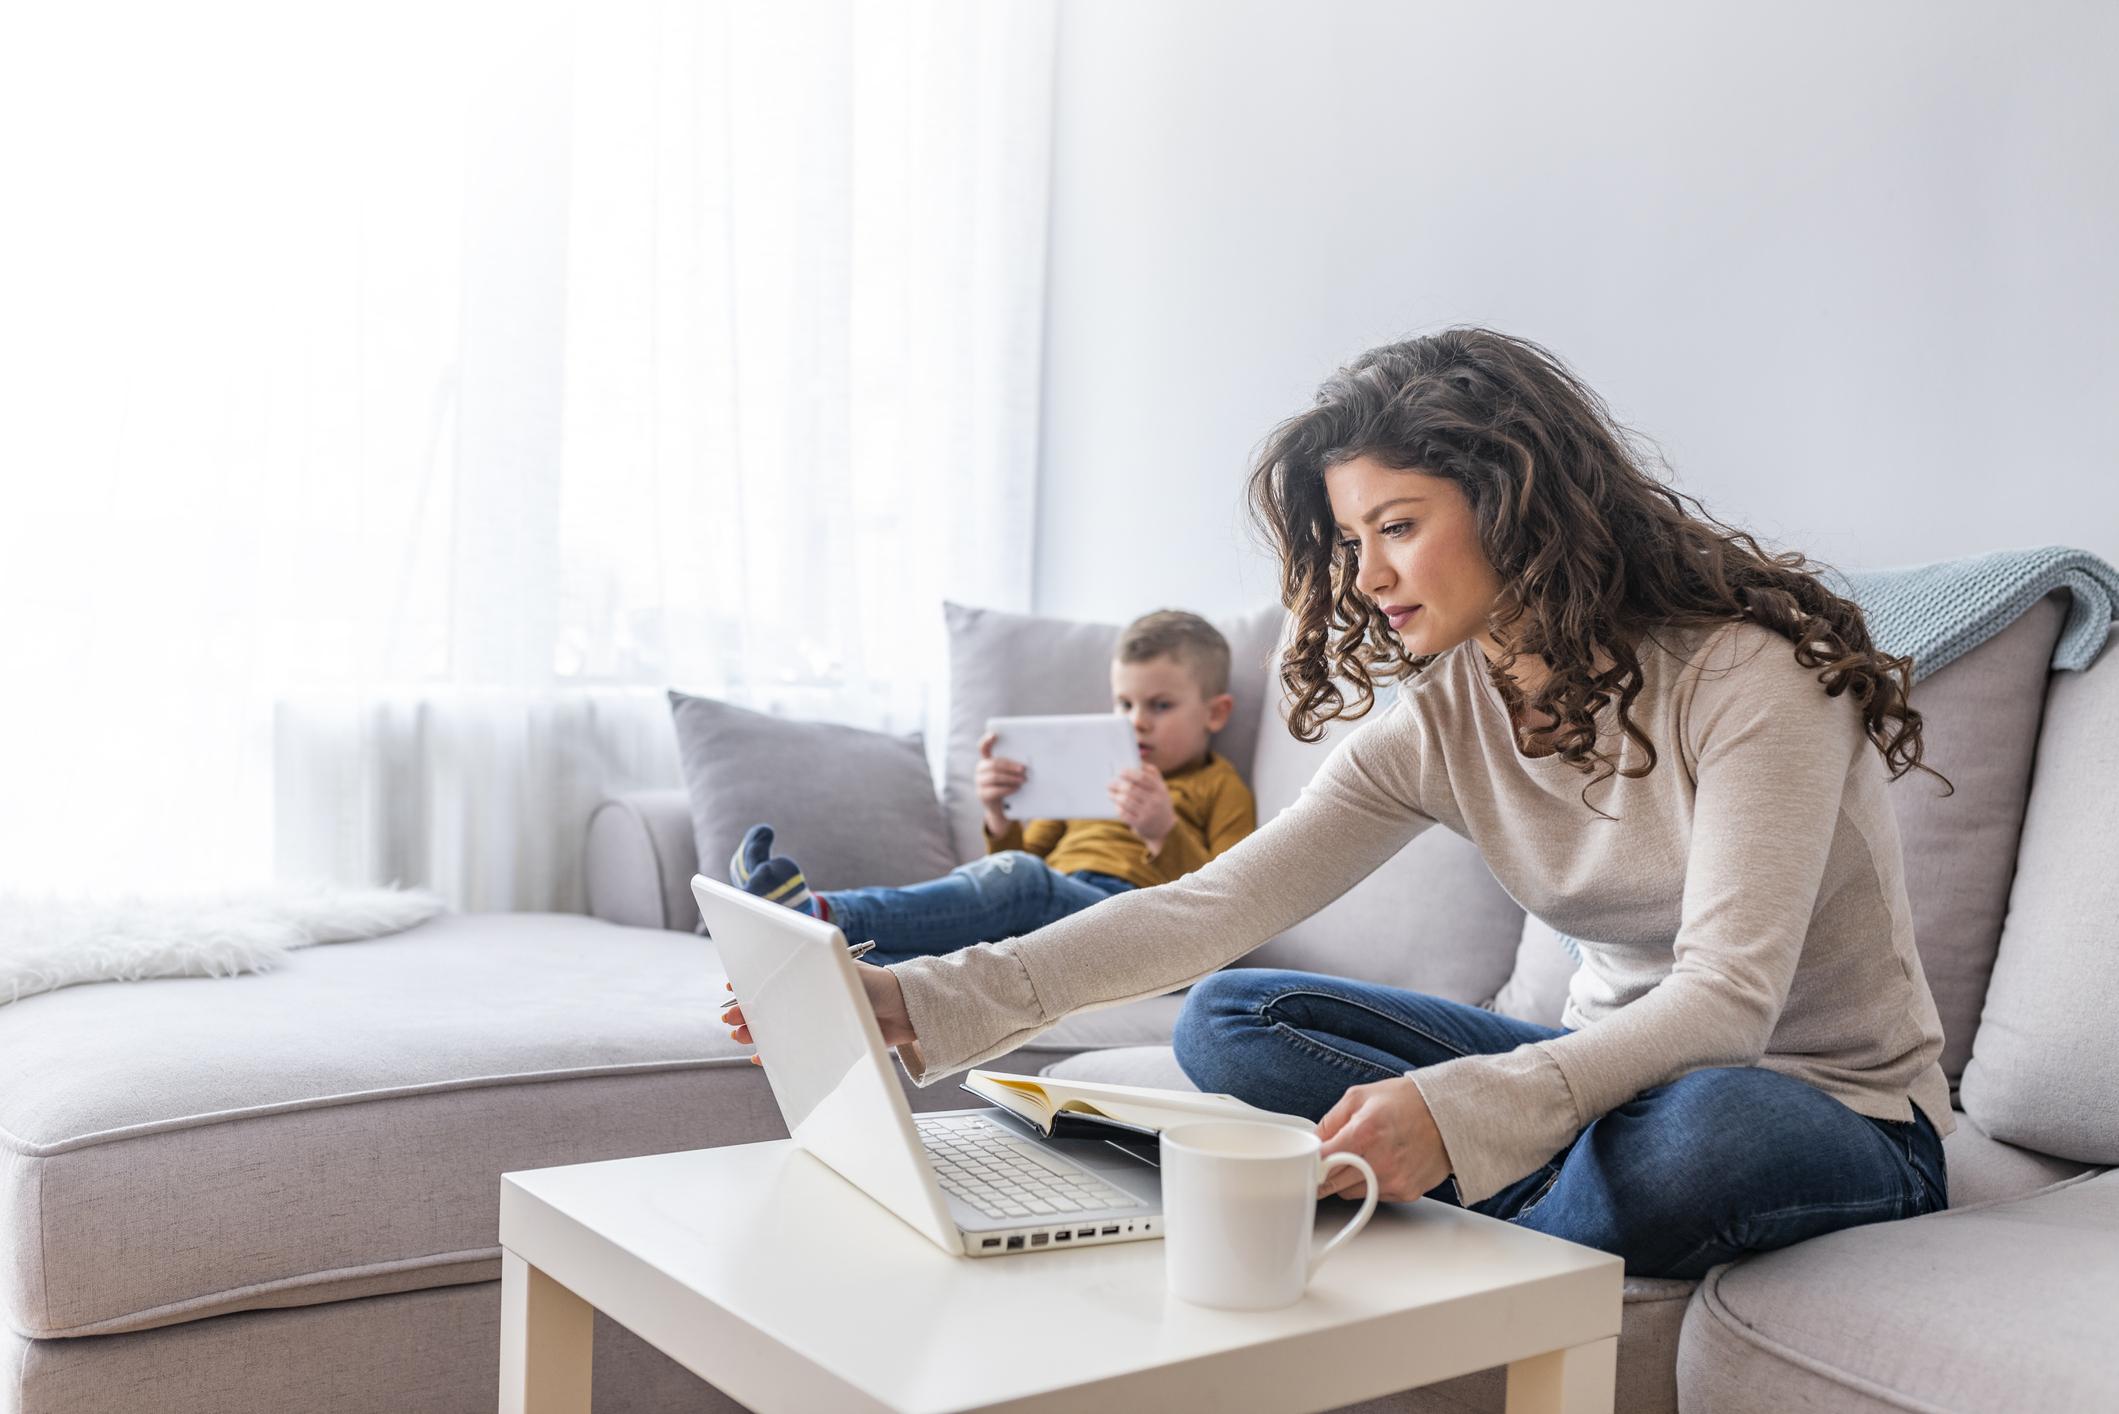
[{"x": 1593, "y": 552}]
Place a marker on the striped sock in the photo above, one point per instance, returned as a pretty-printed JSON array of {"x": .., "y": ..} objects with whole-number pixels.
[
  {"x": 779, "y": 880},
  {"x": 755, "y": 848},
  {"x": 755, "y": 869}
]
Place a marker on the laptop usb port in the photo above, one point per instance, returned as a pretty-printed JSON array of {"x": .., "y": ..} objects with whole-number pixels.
[
  {"x": 1039, "y": 1239},
  {"x": 1086, "y": 1232},
  {"x": 990, "y": 1242},
  {"x": 1111, "y": 1229}
]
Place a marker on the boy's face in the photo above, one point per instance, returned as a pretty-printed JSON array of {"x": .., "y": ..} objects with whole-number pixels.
[{"x": 1172, "y": 717}]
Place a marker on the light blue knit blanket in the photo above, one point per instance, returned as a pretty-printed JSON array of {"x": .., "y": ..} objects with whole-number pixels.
[{"x": 1937, "y": 613}]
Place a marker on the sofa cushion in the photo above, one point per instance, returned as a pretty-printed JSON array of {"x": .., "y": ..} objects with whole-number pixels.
[
  {"x": 1003, "y": 664},
  {"x": 2004, "y": 1306},
  {"x": 1431, "y": 919},
  {"x": 1147, "y": 1022},
  {"x": 337, "y": 1128},
  {"x": 855, "y": 807},
  {"x": 1153, "y": 1065},
  {"x": 2044, "y": 1069},
  {"x": 1980, "y": 726},
  {"x": 1982, "y": 1169}
]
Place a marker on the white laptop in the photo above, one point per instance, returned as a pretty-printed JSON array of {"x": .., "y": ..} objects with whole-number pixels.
[{"x": 980, "y": 1182}]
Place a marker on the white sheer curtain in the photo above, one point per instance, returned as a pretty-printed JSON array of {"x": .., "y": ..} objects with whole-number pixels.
[{"x": 398, "y": 398}]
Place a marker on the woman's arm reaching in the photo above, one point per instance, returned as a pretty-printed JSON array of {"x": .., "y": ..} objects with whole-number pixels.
[{"x": 1360, "y": 809}]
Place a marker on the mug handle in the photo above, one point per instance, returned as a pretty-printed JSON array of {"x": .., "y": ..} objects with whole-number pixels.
[{"x": 1360, "y": 1220}]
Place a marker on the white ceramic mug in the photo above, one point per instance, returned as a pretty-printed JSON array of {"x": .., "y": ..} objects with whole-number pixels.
[{"x": 1239, "y": 1207}]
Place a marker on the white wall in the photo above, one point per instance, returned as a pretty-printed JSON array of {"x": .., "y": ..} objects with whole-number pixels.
[{"x": 1855, "y": 267}]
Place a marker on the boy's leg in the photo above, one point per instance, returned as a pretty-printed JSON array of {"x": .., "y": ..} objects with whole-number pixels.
[
  {"x": 1000, "y": 896},
  {"x": 1295, "y": 1042},
  {"x": 1727, "y": 1161}
]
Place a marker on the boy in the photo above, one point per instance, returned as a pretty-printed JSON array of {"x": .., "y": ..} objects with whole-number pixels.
[{"x": 1179, "y": 808}]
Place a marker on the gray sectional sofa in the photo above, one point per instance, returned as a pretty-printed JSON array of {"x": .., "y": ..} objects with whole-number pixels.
[{"x": 279, "y": 1192}]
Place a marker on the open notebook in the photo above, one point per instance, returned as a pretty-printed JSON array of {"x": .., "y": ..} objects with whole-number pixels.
[{"x": 1082, "y": 1109}]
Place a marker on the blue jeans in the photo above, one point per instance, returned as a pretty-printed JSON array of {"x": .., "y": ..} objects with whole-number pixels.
[
  {"x": 1681, "y": 1177},
  {"x": 1001, "y": 896}
]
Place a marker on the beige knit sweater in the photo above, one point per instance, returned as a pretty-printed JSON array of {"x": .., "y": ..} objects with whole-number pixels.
[{"x": 1745, "y": 906}]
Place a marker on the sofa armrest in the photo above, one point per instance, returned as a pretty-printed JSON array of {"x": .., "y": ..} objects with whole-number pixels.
[{"x": 639, "y": 860}]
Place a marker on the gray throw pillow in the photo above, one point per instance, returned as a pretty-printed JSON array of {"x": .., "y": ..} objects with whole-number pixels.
[
  {"x": 2044, "y": 1069},
  {"x": 1003, "y": 664},
  {"x": 853, "y": 807},
  {"x": 1981, "y": 715}
]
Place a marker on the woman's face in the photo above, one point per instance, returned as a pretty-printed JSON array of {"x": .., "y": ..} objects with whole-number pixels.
[{"x": 1420, "y": 560}]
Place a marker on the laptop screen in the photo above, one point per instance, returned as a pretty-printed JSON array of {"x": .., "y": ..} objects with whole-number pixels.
[{"x": 830, "y": 1073}]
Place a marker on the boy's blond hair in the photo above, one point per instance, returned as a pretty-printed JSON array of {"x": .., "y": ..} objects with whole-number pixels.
[{"x": 1190, "y": 639}]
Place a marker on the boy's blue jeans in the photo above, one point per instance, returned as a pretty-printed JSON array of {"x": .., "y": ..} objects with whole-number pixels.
[
  {"x": 1710, "y": 1166},
  {"x": 1000, "y": 896}
]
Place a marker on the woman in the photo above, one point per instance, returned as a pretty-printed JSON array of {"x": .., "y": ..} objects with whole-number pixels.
[{"x": 1667, "y": 743}]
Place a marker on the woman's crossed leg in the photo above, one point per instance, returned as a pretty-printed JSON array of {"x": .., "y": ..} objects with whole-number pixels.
[{"x": 1685, "y": 1175}]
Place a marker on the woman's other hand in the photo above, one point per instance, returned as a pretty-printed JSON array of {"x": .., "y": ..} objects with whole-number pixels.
[
  {"x": 885, "y": 998},
  {"x": 1387, "y": 1123}
]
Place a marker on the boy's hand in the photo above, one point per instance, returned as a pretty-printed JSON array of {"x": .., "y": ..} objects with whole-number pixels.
[
  {"x": 1143, "y": 802},
  {"x": 997, "y": 778}
]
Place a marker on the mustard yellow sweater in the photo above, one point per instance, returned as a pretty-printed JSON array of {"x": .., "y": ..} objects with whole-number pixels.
[{"x": 1214, "y": 810}]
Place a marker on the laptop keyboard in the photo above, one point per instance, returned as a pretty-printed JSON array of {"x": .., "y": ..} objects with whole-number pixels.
[{"x": 1005, "y": 1176}]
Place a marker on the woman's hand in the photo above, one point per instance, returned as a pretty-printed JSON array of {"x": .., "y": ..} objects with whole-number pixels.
[
  {"x": 1387, "y": 1123},
  {"x": 996, "y": 779},
  {"x": 885, "y": 998}
]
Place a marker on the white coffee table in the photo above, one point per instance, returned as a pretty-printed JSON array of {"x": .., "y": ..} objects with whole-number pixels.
[{"x": 768, "y": 1275}]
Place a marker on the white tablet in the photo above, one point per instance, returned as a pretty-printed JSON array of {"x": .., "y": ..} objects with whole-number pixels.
[{"x": 1071, "y": 761}]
